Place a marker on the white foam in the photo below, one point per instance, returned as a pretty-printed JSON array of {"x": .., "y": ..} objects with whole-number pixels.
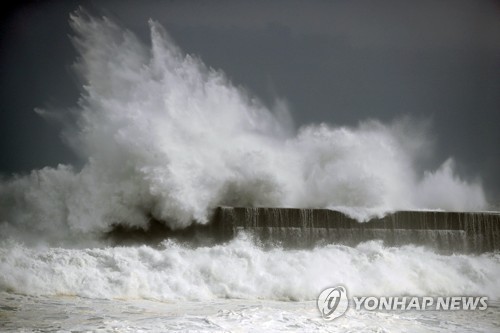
[{"x": 241, "y": 269}]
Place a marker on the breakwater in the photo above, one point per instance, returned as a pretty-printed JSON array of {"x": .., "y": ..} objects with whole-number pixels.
[{"x": 297, "y": 228}]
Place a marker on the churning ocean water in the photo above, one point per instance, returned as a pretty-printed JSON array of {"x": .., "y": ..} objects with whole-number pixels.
[
  {"x": 165, "y": 137},
  {"x": 236, "y": 286}
]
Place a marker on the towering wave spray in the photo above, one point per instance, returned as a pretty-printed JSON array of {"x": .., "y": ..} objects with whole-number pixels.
[{"x": 165, "y": 136}]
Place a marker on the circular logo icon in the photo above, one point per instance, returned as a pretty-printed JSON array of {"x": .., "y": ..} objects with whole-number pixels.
[{"x": 333, "y": 302}]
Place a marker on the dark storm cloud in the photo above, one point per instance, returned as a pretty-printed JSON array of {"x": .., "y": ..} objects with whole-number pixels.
[
  {"x": 336, "y": 62},
  {"x": 397, "y": 23},
  {"x": 35, "y": 55}
]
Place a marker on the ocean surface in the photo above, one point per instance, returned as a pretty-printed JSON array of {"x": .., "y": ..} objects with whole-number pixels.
[
  {"x": 75, "y": 314},
  {"x": 237, "y": 286}
]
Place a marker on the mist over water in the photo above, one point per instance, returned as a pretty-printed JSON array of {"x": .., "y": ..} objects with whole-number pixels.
[{"x": 165, "y": 136}]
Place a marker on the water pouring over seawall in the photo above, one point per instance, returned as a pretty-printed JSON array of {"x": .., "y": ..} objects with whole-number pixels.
[
  {"x": 447, "y": 231},
  {"x": 473, "y": 232}
]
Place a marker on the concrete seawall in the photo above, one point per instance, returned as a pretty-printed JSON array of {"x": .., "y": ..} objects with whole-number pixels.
[
  {"x": 464, "y": 232},
  {"x": 447, "y": 231}
]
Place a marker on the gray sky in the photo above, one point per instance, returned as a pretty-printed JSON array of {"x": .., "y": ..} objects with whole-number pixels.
[{"x": 333, "y": 61}]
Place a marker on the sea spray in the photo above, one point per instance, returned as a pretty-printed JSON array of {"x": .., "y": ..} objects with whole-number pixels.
[{"x": 166, "y": 137}]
